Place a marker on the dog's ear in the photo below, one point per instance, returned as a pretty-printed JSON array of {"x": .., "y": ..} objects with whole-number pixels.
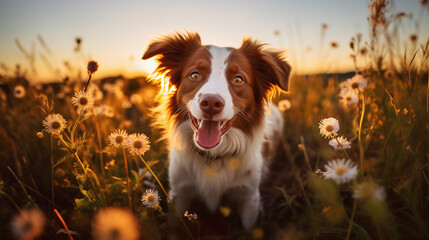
[
  {"x": 269, "y": 66},
  {"x": 173, "y": 50}
]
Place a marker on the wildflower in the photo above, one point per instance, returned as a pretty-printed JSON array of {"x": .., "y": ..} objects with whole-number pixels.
[
  {"x": 329, "y": 127},
  {"x": 340, "y": 170},
  {"x": 334, "y": 44},
  {"x": 92, "y": 67},
  {"x": 190, "y": 216},
  {"x": 118, "y": 138},
  {"x": 357, "y": 83},
  {"x": 28, "y": 224},
  {"x": 105, "y": 110},
  {"x": 369, "y": 190},
  {"x": 39, "y": 134},
  {"x": 83, "y": 100},
  {"x": 138, "y": 143},
  {"x": 150, "y": 198},
  {"x": 340, "y": 143},
  {"x": 19, "y": 91},
  {"x": 348, "y": 97},
  {"x": 114, "y": 223},
  {"x": 54, "y": 123},
  {"x": 284, "y": 105}
]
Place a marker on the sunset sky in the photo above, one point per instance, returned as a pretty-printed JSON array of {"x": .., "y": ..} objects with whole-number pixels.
[{"x": 116, "y": 33}]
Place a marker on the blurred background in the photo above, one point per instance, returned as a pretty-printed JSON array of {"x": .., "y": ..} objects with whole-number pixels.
[{"x": 316, "y": 34}]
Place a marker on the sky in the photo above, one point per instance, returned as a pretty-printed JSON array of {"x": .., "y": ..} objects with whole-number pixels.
[{"x": 116, "y": 33}]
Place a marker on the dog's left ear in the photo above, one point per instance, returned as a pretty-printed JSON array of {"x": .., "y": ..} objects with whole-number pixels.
[{"x": 270, "y": 67}]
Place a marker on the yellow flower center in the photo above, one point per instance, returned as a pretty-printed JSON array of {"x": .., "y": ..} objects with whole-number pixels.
[
  {"x": 119, "y": 139},
  {"x": 341, "y": 170},
  {"x": 138, "y": 144},
  {"x": 329, "y": 128},
  {"x": 83, "y": 101},
  {"x": 150, "y": 198},
  {"x": 55, "y": 125}
]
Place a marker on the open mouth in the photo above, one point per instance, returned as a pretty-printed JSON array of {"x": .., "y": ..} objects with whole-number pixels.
[{"x": 208, "y": 133}]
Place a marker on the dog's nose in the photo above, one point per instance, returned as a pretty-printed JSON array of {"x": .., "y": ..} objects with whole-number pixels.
[{"x": 211, "y": 104}]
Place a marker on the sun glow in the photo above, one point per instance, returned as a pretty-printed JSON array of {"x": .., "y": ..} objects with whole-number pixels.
[{"x": 166, "y": 88}]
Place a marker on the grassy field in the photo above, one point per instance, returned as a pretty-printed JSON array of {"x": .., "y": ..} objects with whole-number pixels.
[{"x": 62, "y": 177}]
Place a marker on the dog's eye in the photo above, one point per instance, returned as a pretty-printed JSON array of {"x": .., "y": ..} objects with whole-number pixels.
[
  {"x": 238, "y": 80},
  {"x": 195, "y": 76}
]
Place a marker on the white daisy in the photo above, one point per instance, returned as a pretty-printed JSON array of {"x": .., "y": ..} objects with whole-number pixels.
[
  {"x": 357, "y": 83},
  {"x": 115, "y": 223},
  {"x": 284, "y": 105},
  {"x": 138, "y": 143},
  {"x": 54, "y": 123},
  {"x": 19, "y": 91},
  {"x": 369, "y": 190},
  {"x": 118, "y": 138},
  {"x": 83, "y": 100},
  {"x": 340, "y": 143},
  {"x": 340, "y": 170},
  {"x": 151, "y": 198},
  {"x": 329, "y": 127},
  {"x": 28, "y": 224},
  {"x": 348, "y": 97}
]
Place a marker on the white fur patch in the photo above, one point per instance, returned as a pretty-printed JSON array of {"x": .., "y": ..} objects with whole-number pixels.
[{"x": 216, "y": 84}]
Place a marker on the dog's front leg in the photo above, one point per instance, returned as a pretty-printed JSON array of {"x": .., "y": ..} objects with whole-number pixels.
[
  {"x": 182, "y": 188},
  {"x": 250, "y": 202}
]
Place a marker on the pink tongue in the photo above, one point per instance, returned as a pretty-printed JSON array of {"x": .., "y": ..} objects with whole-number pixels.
[{"x": 208, "y": 135}]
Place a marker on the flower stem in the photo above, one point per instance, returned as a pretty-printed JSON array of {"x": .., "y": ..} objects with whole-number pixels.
[
  {"x": 349, "y": 230},
  {"x": 99, "y": 145},
  {"x": 342, "y": 148},
  {"x": 361, "y": 152},
  {"x": 305, "y": 153},
  {"x": 168, "y": 197},
  {"x": 128, "y": 179},
  {"x": 87, "y": 83},
  {"x": 80, "y": 162},
  {"x": 52, "y": 174},
  {"x": 64, "y": 223}
]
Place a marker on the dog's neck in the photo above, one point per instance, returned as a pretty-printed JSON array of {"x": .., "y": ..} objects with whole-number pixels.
[{"x": 211, "y": 157}]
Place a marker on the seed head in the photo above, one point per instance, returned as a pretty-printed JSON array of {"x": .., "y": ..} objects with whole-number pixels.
[{"x": 92, "y": 67}]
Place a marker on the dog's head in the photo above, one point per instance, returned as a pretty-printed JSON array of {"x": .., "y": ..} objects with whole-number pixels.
[{"x": 219, "y": 87}]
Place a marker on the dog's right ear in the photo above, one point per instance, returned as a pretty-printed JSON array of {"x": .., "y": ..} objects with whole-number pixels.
[{"x": 173, "y": 50}]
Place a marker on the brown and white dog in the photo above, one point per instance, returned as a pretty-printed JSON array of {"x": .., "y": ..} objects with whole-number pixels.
[{"x": 221, "y": 129}]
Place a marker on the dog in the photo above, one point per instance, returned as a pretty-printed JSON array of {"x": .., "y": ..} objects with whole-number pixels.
[{"x": 222, "y": 130}]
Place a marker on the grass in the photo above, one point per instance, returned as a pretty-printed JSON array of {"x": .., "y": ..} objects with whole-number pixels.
[{"x": 70, "y": 178}]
